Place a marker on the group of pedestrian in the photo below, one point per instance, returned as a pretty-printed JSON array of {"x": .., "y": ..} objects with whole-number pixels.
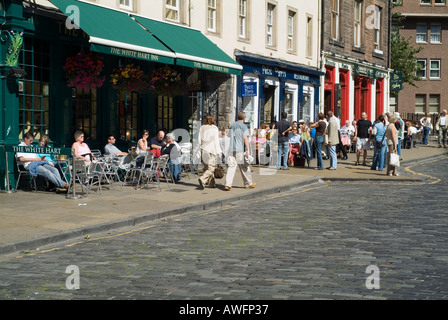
[
  {"x": 387, "y": 133},
  {"x": 237, "y": 154}
]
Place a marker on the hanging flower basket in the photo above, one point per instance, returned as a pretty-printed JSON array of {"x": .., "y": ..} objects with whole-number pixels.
[
  {"x": 129, "y": 78},
  {"x": 84, "y": 71},
  {"x": 167, "y": 82}
]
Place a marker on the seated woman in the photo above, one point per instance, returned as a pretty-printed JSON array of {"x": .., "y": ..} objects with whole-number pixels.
[
  {"x": 82, "y": 150},
  {"x": 346, "y": 132},
  {"x": 294, "y": 145},
  {"x": 44, "y": 141},
  {"x": 142, "y": 144},
  {"x": 172, "y": 150}
]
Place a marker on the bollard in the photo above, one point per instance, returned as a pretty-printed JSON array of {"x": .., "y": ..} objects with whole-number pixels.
[
  {"x": 8, "y": 185},
  {"x": 74, "y": 195}
]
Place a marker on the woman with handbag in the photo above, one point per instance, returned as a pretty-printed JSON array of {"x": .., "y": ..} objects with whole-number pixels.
[
  {"x": 392, "y": 142},
  {"x": 210, "y": 148}
]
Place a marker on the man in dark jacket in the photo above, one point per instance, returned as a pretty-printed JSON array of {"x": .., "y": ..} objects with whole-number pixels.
[{"x": 283, "y": 127}]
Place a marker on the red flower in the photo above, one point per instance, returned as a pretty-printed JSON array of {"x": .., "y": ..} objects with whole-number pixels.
[{"x": 83, "y": 71}]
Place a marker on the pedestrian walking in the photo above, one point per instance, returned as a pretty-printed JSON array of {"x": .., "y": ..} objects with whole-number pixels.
[
  {"x": 210, "y": 149},
  {"x": 441, "y": 125},
  {"x": 319, "y": 138},
  {"x": 333, "y": 140},
  {"x": 392, "y": 142},
  {"x": 239, "y": 153}
]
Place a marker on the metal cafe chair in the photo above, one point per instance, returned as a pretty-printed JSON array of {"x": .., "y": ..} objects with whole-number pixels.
[
  {"x": 151, "y": 173},
  {"x": 85, "y": 179},
  {"x": 161, "y": 166},
  {"x": 22, "y": 171},
  {"x": 135, "y": 174}
]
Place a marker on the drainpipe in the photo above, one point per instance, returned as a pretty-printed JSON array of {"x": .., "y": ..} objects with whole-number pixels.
[{"x": 322, "y": 60}]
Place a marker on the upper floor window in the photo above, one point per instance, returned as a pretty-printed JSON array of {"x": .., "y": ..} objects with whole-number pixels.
[
  {"x": 335, "y": 19},
  {"x": 436, "y": 33},
  {"x": 434, "y": 69},
  {"x": 439, "y": 2},
  {"x": 425, "y": 1},
  {"x": 309, "y": 37},
  {"x": 377, "y": 29},
  {"x": 422, "y": 71},
  {"x": 212, "y": 16},
  {"x": 357, "y": 27},
  {"x": 127, "y": 5},
  {"x": 172, "y": 8},
  {"x": 291, "y": 30},
  {"x": 270, "y": 25},
  {"x": 242, "y": 19},
  {"x": 421, "y": 30}
]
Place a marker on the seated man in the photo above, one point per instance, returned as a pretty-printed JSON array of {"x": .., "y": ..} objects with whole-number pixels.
[
  {"x": 158, "y": 141},
  {"x": 37, "y": 166},
  {"x": 111, "y": 149}
]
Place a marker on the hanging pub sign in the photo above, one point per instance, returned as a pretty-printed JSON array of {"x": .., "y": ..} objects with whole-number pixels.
[
  {"x": 249, "y": 89},
  {"x": 396, "y": 81}
]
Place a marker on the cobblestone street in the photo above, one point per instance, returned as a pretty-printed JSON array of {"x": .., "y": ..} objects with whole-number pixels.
[{"x": 313, "y": 242}]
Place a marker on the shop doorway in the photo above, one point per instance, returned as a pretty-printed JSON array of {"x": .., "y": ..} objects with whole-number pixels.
[
  {"x": 289, "y": 106},
  {"x": 328, "y": 101},
  {"x": 308, "y": 104},
  {"x": 269, "y": 104}
]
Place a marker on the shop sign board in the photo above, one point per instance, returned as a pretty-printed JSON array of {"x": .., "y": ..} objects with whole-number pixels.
[{"x": 249, "y": 89}]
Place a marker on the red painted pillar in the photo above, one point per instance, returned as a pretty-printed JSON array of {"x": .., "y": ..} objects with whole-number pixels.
[{"x": 379, "y": 96}]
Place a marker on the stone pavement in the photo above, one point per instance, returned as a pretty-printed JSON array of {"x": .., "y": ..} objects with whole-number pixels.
[{"x": 31, "y": 219}]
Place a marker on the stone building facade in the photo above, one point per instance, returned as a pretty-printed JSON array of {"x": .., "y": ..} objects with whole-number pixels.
[{"x": 355, "y": 57}]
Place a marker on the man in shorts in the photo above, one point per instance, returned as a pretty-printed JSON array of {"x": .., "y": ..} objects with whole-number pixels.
[{"x": 362, "y": 137}]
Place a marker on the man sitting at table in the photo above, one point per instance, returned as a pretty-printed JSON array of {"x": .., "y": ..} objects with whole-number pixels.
[
  {"x": 38, "y": 166},
  {"x": 159, "y": 141},
  {"x": 111, "y": 149}
]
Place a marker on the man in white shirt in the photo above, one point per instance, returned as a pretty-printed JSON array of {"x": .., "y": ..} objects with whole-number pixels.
[
  {"x": 37, "y": 166},
  {"x": 442, "y": 122}
]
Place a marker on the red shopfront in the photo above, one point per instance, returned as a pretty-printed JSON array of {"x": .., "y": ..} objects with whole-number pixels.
[
  {"x": 379, "y": 96},
  {"x": 329, "y": 96},
  {"x": 337, "y": 95},
  {"x": 369, "y": 94},
  {"x": 362, "y": 97}
]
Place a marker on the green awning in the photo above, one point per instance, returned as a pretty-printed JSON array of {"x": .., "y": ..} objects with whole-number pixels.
[
  {"x": 192, "y": 48},
  {"x": 115, "y": 32}
]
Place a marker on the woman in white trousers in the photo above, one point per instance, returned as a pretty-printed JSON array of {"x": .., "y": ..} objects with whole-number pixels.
[{"x": 210, "y": 148}]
